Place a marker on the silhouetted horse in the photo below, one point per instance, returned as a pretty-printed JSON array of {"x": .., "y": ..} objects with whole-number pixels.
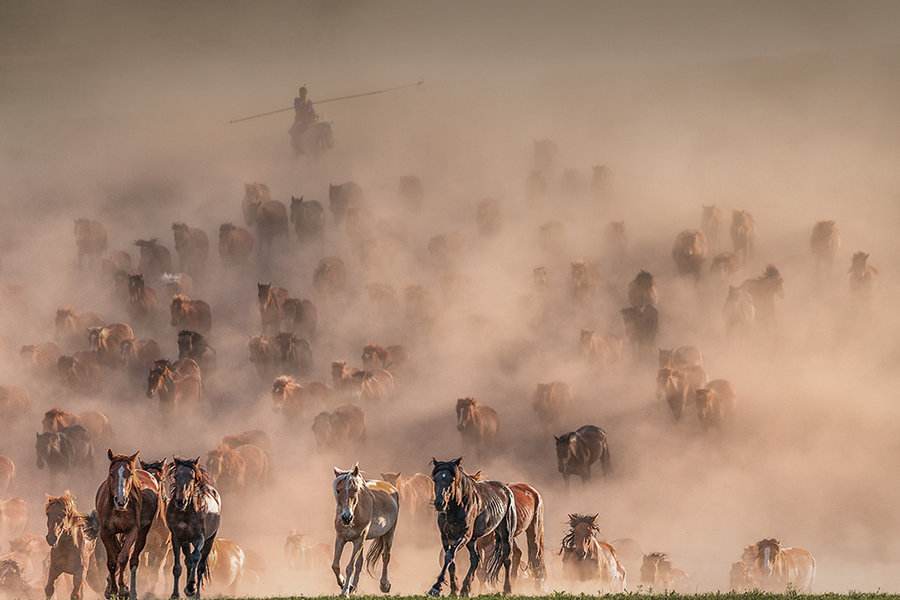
[
  {"x": 64, "y": 451},
  {"x": 127, "y": 502},
  {"x": 193, "y": 514},
  {"x": 577, "y": 450},
  {"x": 469, "y": 509}
]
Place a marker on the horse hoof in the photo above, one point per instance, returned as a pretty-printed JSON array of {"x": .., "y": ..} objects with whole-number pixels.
[{"x": 434, "y": 592}]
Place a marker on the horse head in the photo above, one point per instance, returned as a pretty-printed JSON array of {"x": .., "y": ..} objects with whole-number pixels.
[
  {"x": 566, "y": 451},
  {"x": 185, "y": 477},
  {"x": 347, "y": 486},
  {"x": 46, "y": 444},
  {"x": 466, "y": 408},
  {"x": 767, "y": 551},
  {"x": 159, "y": 375},
  {"x": 121, "y": 477},
  {"x": 60, "y": 511},
  {"x": 445, "y": 475},
  {"x": 582, "y": 531}
]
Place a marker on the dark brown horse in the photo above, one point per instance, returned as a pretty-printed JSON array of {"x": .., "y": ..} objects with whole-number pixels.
[
  {"x": 72, "y": 541},
  {"x": 142, "y": 299},
  {"x": 469, "y": 509},
  {"x": 127, "y": 502},
  {"x": 235, "y": 244},
  {"x": 308, "y": 218},
  {"x": 193, "y": 514},
  {"x": 192, "y": 246},
  {"x": 271, "y": 300},
  {"x": 190, "y": 314},
  {"x": 155, "y": 259},
  {"x": 300, "y": 317},
  {"x": 578, "y": 450},
  {"x": 641, "y": 327},
  {"x": 477, "y": 424},
  {"x": 195, "y": 346},
  {"x": 764, "y": 289},
  {"x": 294, "y": 355}
]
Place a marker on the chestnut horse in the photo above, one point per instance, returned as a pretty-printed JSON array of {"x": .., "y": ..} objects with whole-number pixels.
[
  {"x": 72, "y": 540},
  {"x": 127, "y": 502}
]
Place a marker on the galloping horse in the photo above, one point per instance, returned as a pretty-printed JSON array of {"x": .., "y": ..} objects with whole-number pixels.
[
  {"x": 364, "y": 510},
  {"x": 193, "y": 515},
  {"x": 586, "y": 558},
  {"x": 72, "y": 541},
  {"x": 469, "y": 509},
  {"x": 577, "y": 450},
  {"x": 127, "y": 502},
  {"x": 777, "y": 568}
]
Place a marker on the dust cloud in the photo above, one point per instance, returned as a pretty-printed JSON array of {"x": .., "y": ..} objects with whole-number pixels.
[{"x": 119, "y": 114}]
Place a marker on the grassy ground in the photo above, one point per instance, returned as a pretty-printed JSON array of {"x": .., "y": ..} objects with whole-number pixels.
[{"x": 636, "y": 596}]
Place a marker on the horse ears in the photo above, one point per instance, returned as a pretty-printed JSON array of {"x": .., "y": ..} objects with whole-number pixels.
[
  {"x": 337, "y": 472},
  {"x": 457, "y": 461},
  {"x": 109, "y": 453},
  {"x": 196, "y": 461},
  {"x": 556, "y": 438},
  {"x": 355, "y": 470},
  {"x": 434, "y": 461},
  {"x": 134, "y": 456}
]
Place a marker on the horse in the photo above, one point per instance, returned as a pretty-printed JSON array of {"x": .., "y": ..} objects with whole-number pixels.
[
  {"x": 550, "y": 401},
  {"x": 862, "y": 275},
  {"x": 69, "y": 449},
  {"x": 469, "y": 509},
  {"x": 724, "y": 265},
  {"x": 681, "y": 357},
  {"x": 343, "y": 427},
  {"x": 289, "y": 398},
  {"x": 57, "y": 419},
  {"x": 343, "y": 198},
  {"x": 138, "y": 356},
  {"x": 777, "y": 569},
  {"x": 764, "y": 289},
  {"x": 301, "y": 317},
  {"x": 588, "y": 559},
  {"x": 235, "y": 245},
  {"x": 193, "y": 515},
  {"x": 143, "y": 302},
  {"x": 672, "y": 387},
  {"x": 739, "y": 311},
  {"x": 715, "y": 403},
  {"x": 270, "y": 300},
  {"x": 90, "y": 239},
  {"x": 416, "y": 493},
  {"x": 13, "y": 583},
  {"x": 824, "y": 243},
  {"x": 106, "y": 342},
  {"x": 175, "y": 384},
  {"x": 584, "y": 281},
  {"x": 689, "y": 253},
  {"x": 740, "y": 579},
  {"x": 192, "y": 246},
  {"x": 227, "y": 564},
  {"x": 376, "y": 357},
  {"x": 190, "y": 314},
  {"x": 155, "y": 259},
  {"x": 330, "y": 276},
  {"x": 72, "y": 539},
  {"x": 41, "y": 358},
  {"x": 365, "y": 509},
  {"x": 529, "y": 521},
  {"x": 308, "y": 218},
  {"x": 157, "y": 546},
  {"x": 257, "y": 437},
  {"x": 294, "y": 355},
  {"x": 80, "y": 372},
  {"x": 127, "y": 502},
  {"x": 710, "y": 223},
  {"x": 254, "y": 195},
  {"x": 264, "y": 355},
  {"x": 658, "y": 574},
  {"x": 177, "y": 283},
  {"x": 578, "y": 450},
  {"x": 70, "y": 326},
  {"x": 7, "y": 473},
  {"x": 368, "y": 386},
  {"x": 193, "y": 345},
  {"x": 641, "y": 328},
  {"x": 642, "y": 290},
  {"x": 477, "y": 424},
  {"x": 742, "y": 234},
  {"x": 238, "y": 469}
]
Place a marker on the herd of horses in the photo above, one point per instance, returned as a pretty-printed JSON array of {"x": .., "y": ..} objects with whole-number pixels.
[{"x": 168, "y": 512}]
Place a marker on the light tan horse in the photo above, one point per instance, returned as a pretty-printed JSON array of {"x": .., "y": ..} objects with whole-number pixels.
[
  {"x": 743, "y": 233},
  {"x": 715, "y": 403},
  {"x": 364, "y": 510},
  {"x": 776, "y": 568},
  {"x": 588, "y": 559}
]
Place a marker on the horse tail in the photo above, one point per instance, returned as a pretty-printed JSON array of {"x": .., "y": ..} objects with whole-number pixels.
[
  {"x": 535, "y": 537},
  {"x": 92, "y": 526},
  {"x": 374, "y": 553},
  {"x": 605, "y": 460},
  {"x": 504, "y": 538}
]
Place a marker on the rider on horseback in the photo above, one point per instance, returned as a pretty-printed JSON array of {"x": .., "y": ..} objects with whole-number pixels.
[
  {"x": 308, "y": 134},
  {"x": 304, "y": 113}
]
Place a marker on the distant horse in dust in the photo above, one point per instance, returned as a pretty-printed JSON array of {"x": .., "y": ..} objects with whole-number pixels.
[
  {"x": 106, "y": 342},
  {"x": 739, "y": 311},
  {"x": 193, "y": 345},
  {"x": 578, "y": 450},
  {"x": 776, "y": 568},
  {"x": 271, "y": 301},
  {"x": 186, "y": 313},
  {"x": 862, "y": 275},
  {"x": 659, "y": 575},
  {"x": 641, "y": 328},
  {"x": 550, "y": 401},
  {"x": 710, "y": 224},
  {"x": 91, "y": 241},
  {"x": 469, "y": 509},
  {"x": 364, "y": 510},
  {"x": 642, "y": 290},
  {"x": 715, "y": 403},
  {"x": 176, "y": 384},
  {"x": 155, "y": 259},
  {"x": 764, "y": 289},
  {"x": 743, "y": 234},
  {"x": 235, "y": 245},
  {"x": 308, "y": 218},
  {"x": 689, "y": 253},
  {"x": 143, "y": 303},
  {"x": 342, "y": 428},
  {"x": 824, "y": 242},
  {"x": 192, "y": 246},
  {"x": 586, "y": 558},
  {"x": 269, "y": 216},
  {"x": 477, "y": 424}
]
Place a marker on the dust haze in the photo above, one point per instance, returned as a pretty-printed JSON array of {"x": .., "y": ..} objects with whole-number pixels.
[{"x": 119, "y": 114}]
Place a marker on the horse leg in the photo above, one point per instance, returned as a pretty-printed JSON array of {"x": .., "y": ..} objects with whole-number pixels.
[
  {"x": 122, "y": 560},
  {"x": 193, "y": 559},
  {"x": 516, "y": 560},
  {"x": 351, "y": 574},
  {"x": 449, "y": 557},
  {"x": 111, "y": 544},
  {"x": 336, "y": 563},
  {"x": 387, "y": 540},
  {"x": 176, "y": 566},
  {"x": 454, "y": 584},
  {"x": 204, "y": 557},
  {"x": 77, "y": 581},
  {"x": 474, "y": 559},
  {"x": 139, "y": 543},
  {"x": 52, "y": 575}
]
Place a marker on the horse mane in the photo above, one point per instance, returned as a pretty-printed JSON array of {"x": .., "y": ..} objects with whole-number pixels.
[
  {"x": 658, "y": 555},
  {"x": 576, "y": 519},
  {"x": 66, "y": 500},
  {"x": 769, "y": 542}
]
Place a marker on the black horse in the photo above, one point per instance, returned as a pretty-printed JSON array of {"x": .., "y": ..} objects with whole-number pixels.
[
  {"x": 194, "y": 346},
  {"x": 468, "y": 510},
  {"x": 193, "y": 515},
  {"x": 577, "y": 450},
  {"x": 64, "y": 451}
]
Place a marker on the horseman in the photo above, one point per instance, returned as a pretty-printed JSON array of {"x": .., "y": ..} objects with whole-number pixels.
[{"x": 304, "y": 113}]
